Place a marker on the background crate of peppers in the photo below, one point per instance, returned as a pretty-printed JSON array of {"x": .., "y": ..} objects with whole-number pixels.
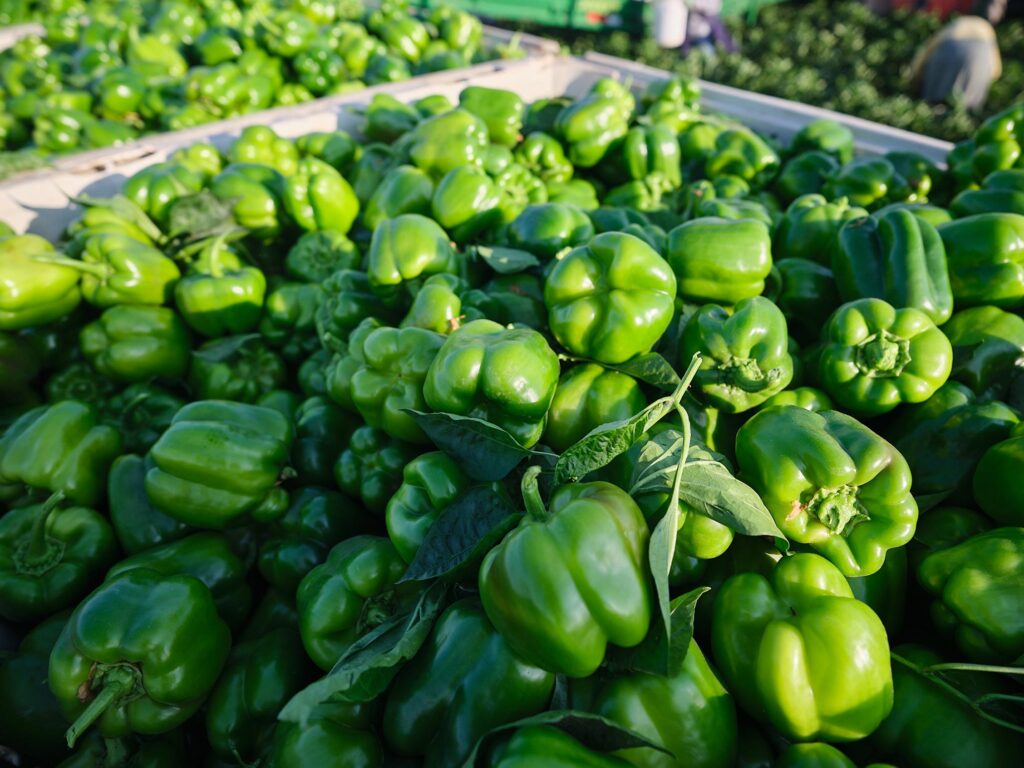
[
  {"x": 505, "y": 436},
  {"x": 102, "y": 76}
]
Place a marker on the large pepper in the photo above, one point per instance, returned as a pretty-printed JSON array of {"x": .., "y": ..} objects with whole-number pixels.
[
  {"x": 137, "y": 343},
  {"x": 136, "y": 523},
  {"x": 348, "y": 299},
  {"x": 444, "y": 142},
  {"x": 464, "y": 377},
  {"x": 808, "y": 229},
  {"x": 33, "y": 291},
  {"x": 804, "y": 175},
  {"x": 31, "y": 722},
  {"x": 51, "y": 558},
  {"x": 222, "y": 295},
  {"x": 897, "y": 257},
  {"x": 510, "y": 299},
  {"x": 944, "y": 438},
  {"x": 829, "y": 482},
  {"x": 80, "y": 381},
  {"x": 346, "y": 595},
  {"x": 746, "y": 357},
  {"x": 720, "y": 260},
  {"x": 587, "y": 397},
  {"x": 502, "y": 111},
  {"x": 117, "y": 269},
  {"x": 430, "y": 483},
  {"x": 827, "y": 136},
  {"x": 643, "y": 152},
  {"x": 390, "y": 379},
  {"x": 138, "y": 655},
  {"x": 985, "y": 254},
  {"x": 464, "y": 681},
  {"x": 994, "y": 488},
  {"x": 259, "y": 144},
  {"x": 876, "y": 357},
  {"x": 289, "y": 319},
  {"x": 322, "y": 429},
  {"x": 552, "y": 747},
  {"x": 1001, "y": 192},
  {"x": 316, "y": 520},
  {"x": 799, "y": 652},
  {"x": 370, "y": 468},
  {"x": 741, "y": 152},
  {"x": 689, "y": 712},
  {"x": 932, "y": 727},
  {"x": 546, "y": 229},
  {"x": 611, "y": 299},
  {"x": 867, "y": 182},
  {"x": 156, "y": 188},
  {"x": 988, "y": 352},
  {"x": 141, "y": 413},
  {"x": 438, "y": 305},
  {"x": 207, "y": 557},
  {"x": 226, "y": 370},
  {"x": 807, "y": 296},
  {"x": 337, "y": 736},
  {"x": 466, "y": 203},
  {"x": 219, "y": 461},
  {"x": 590, "y": 125},
  {"x": 259, "y": 678},
  {"x": 318, "y": 255},
  {"x": 318, "y": 197},
  {"x": 320, "y": 69},
  {"x": 979, "y": 590},
  {"x": 404, "y": 189},
  {"x": 254, "y": 193},
  {"x": 61, "y": 447},
  {"x": 547, "y": 595},
  {"x": 542, "y": 155},
  {"x": 406, "y": 248}
]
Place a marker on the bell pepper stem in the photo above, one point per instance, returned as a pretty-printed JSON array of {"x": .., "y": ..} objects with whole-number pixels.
[
  {"x": 38, "y": 550},
  {"x": 531, "y": 494},
  {"x": 96, "y": 270},
  {"x": 117, "y": 682}
]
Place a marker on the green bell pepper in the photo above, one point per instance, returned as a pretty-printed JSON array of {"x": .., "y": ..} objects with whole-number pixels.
[
  {"x": 587, "y": 397},
  {"x": 388, "y": 119},
  {"x": 219, "y": 461},
  {"x": 545, "y": 595},
  {"x": 464, "y": 681},
  {"x": 800, "y": 653},
  {"x": 137, "y": 343},
  {"x": 466, "y": 202},
  {"x": 51, "y": 558},
  {"x": 741, "y": 152},
  {"x": 746, "y": 357},
  {"x": 141, "y": 413},
  {"x": 346, "y": 595},
  {"x": 877, "y": 357},
  {"x": 825, "y": 135},
  {"x": 552, "y": 747},
  {"x": 814, "y": 755},
  {"x": 611, "y": 299},
  {"x": 155, "y": 189},
  {"x": 547, "y": 229},
  {"x": 370, "y": 468},
  {"x": 259, "y": 144},
  {"x": 438, "y": 305},
  {"x": 202, "y": 158},
  {"x": 289, "y": 319},
  {"x": 807, "y": 296},
  {"x": 988, "y": 350},
  {"x": 804, "y": 397},
  {"x": 136, "y": 523},
  {"x": 502, "y": 112},
  {"x": 260, "y": 676},
  {"x": 34, "y": 291},
  {"x": 720, "y": 260},
  {"x": 447, "y": 141},
  {"x": 645, "y": 151},
  {"x": 542, "y": 155},
  {"x": 348, "y": 299},
  {"x": 994, "y": 489},
  {"x": 804, "y": 174},
  {"x": 318, "y": 197},
  {"x": 462, "y": 377},
  {"x": 689, "y": 712},
  {"x": 944, "y": 438},
  {"x": 390, "y": 379},
  {"x": 81, "y": 382},
  {"x": 207, "y": 557},
  {"x": 830, "y": 483},
  {"x": 590, "y": 125},
  {"x": 316, "y": 520},
  {"x": 320, "y": 69},
  {"x": 808, "y": 229},
  {"x": 1001, "y": 192},
  {"x": 985, "y": 254},
  {"x": 331, "y": 739},
  {"x": 404, "y": 189},
  {"x": 221, "y": 296},
  {"x": 406, "y": 248},
  {"x": 254, "y": 193},
  {"x": 321, "y": 431},
  {"x": 430, "y": 482},
  {"x": 897, "y": 257},
  {"x": 225, "y": 370},
  {"x": 138, "y": 655},
  {"x": 868, "y": 182},
  {"x": 117, "y": 269},
  {"x": 977, "y": 590},
  {"x": 510, "y": 299},
  {"x": 60, "y": 448},
  {"x": 318, "y": 255}
]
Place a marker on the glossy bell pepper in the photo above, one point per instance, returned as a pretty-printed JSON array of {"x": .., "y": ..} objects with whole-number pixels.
[
  {"x": 466, "y": 202},
  {"x": 447, "y": 141},
  {"x": 117, "y": 269},
  {"x": 868, "y": 182},
  {"x": 137, "y": 525},
  {"x": 587, "y": 397},
  {"x": 32, "y": 291},
  {"x": 542, "y": 155},
  {"x": 406, "y": 248},
  {"x": 876, "y": 357},
  {"x": 831, "y": 483},
  {"x": 221, "y": 295},
  {"x": 138, "y": 655},
  {"x": 809, "y": 227},
  {"x": 720, "y": 260},
  {"x": 155, "y": 189},
  {"x": 745, "y": 359},
  {"x": 825, "y": 135},
  {"x": 370, "y": 468},
  {"x": 137, "y": 343},
  {"x": 553, "y": 747},
  {"x": 803, "y": 617},
  {"x": 318, "y": 255},
  {"x": 741, "y": 152},
  {"x": 224, "y": 370},
  {"x": 438, "y": 305},
  {"x": 254, "y": 193},
  {"x": 547, "y": 229},
  {"x": 807, "y": 296},
  {"x": 464, "y": 681},
  {"x": 322, "y": 430},
  {"x": 430, "y": 482},
  {"x": 502, "y": 111},
  {"x": 804, "y": 174},
  {"x": 548, "y": 600},
  {"x": 346, "y": 595},
  {"x": 1001, "y": 192},
  {"x": 403, "y": 189},
  {"x": 219, "y": 461},
  {"x": 259, "y": 144},
  {"x": 590, "y": 125},
  {"x": 897, "y": 257},
  {"x": 349, "y": 298},
  {"x": 318, "y": 197},
  {"x": 985, "y": 254},
  {"x": 337, "y": 736},
  {"x": 481, "y": 352}
]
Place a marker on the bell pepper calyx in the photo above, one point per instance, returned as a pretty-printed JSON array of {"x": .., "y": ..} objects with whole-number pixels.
[
  {"x": 119, "y": 682},
  {"x": 746, "y": 374},
  {"x": 838, "y": 509},
  {"x": 376, "y": 610},
  {"x": 883, "y": 355},
  {"x": 531, "y": 495}
]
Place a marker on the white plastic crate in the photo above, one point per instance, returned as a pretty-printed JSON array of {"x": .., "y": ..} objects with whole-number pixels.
[{"x": 38, "y": 202}]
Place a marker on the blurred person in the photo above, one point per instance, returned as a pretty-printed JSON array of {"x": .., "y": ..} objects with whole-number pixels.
[
  {"x": 705, "y": 29},
  {"x": 961, "y": 61}
]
